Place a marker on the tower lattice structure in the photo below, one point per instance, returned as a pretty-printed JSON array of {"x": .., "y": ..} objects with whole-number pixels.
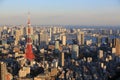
[{"x": 28, "y": 52}]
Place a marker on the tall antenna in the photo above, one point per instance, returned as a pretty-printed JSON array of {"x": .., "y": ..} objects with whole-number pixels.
[{"x": 28, "y": 18}]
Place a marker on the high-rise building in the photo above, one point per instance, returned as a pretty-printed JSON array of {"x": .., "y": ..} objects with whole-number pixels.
[
  {"x": 50, "y": 33},
  {"x": 117, "y": 46},
  {"x": 43, "y": 39},
  {"x": 17, "y": 36},
  {"x": 99, "y": 41},
  {"x": 54, "y": 30},
  {"x": 113, "y": 43},
  {"x": 22, "y": 30},
  {"x": 0, "y": 32},
  {"x": 118, "y": 31},
  {"x": 107, "y": 40},
  {"x": 100, "y": 54},
  {"x": 64, "y": 40},
  {"x": 62, "y": 59},
  {"x": 80, "y": 38},
  {"x": 110, "y": 32},
  {"x": 104, "y": 31},
  {"x": 4, "y": 75},
  {"x": 28, "y": 51},
  {"x": 114, "y": 50},
  {"x": 57, "y": 44},
  {"x": 75, "y": 51},
  {"x": 2, "y": 71},
  {"x": 36, "y": 39},
  {"x": 88, "y": 42}
]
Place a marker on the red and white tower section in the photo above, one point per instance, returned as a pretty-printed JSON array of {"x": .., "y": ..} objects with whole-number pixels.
[{"x": 28, "y": 52}]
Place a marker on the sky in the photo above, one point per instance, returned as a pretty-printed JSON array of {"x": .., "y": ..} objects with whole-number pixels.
[{"x": 60, "y": 12}]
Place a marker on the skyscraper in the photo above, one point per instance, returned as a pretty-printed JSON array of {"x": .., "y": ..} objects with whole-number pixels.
[
  {"x": 107, "y": 40},
  {"x": 64, "y": 40},
  {"x": 43, "y": 39},
  {"x": 35, "y": 39},
  {"x": 75, "y": 51},
  {"x": 62, "y": 59},
  {"x": 17, "y": 36},
  {"x": 117, "y": 46},
  {"x": 28, "y": 52},
  {"x": 0, "y": 32},
  {"x": 2, "y": 71},
  {"x": 50, "y": 33},
  {"x": 80, "y": 38},
  {"x": 99, "y": 40},
  {"x": 57, "y": 44},
  {"x": 110, "y": 32}
]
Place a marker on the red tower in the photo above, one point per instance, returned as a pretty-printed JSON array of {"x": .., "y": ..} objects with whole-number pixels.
[{"x": 28, "y": 52}]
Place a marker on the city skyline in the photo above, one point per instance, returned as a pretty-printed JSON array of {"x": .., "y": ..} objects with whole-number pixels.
[{"x": 68, "y": 12}]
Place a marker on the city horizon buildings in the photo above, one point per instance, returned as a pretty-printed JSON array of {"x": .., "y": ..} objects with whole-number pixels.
[{"x": 60, "y": 52}]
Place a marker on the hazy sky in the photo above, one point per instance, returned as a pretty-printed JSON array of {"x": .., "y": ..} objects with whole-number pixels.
[{"x": 66, "y": 12}]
